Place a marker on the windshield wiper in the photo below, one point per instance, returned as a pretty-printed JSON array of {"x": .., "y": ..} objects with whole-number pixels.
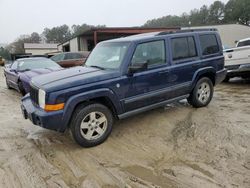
[
  {"x": 24, "y": 70},
  {"x": 95, "y": 66}
]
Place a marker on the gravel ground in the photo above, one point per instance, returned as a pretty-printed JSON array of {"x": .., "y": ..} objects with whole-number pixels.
[{"x": 175, "y": 146}]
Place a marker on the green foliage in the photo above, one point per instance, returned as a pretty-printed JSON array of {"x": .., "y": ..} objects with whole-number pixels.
[
  {"x": 18, "y": 45},
  {"x": 238, "y": 11},
  {"x": 79, "y": 29},
  {"x": 235, "y": 11},
  {"x": 4, "y": 53},
  {"x": 57, "y": 34}
]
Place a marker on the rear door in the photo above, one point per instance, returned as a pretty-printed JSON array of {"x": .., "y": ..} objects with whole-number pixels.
[{"x": 185, "y": 62}]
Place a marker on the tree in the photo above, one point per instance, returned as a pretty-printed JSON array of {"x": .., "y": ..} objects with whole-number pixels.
[
  {"x": 204, "y": 13},
  {"x": 213, "y": 15},
  {"x": 79, "y": 29},
  {"x": 57, "y": 34},
  {"x": 4, "y": 53},
  {"x": 35, "y": 38},
  {"x": 216, "y": 12},
  {"x": 238, "y": 11},
  {"x": 18, "y": 45}
]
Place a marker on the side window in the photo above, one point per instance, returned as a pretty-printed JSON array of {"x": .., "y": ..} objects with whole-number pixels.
[
  {"x": 14, "y": 65},
  {"x": 57, "y": 58},
  {"x": 72, "y": 56},
  {"x": 209, "y": 44},
  {"x": 244, "y": 43},
  {"x": 68, "y": 56},
  {"x": 152, "y": 52},
  {"x": 183, "y": 47}
]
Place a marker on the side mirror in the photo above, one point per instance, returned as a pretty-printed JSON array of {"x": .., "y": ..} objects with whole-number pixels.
[{"x": 138, "y": 67}]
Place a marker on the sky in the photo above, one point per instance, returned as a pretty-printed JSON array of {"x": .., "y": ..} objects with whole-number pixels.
[{"x": 18, "y": 17}]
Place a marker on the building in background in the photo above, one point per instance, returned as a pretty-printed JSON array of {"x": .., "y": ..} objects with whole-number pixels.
[
  {"x": 230, "y": 33},
  {"x": 39, "y": 49},
  {"x": 88, "y": 39}
]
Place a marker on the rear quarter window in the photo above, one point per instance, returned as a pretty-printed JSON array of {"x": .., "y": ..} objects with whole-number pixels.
[{"x": 209, "y": 44}]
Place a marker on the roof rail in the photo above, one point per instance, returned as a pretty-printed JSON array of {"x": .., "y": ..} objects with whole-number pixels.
[{"x": 186, "y": 31}]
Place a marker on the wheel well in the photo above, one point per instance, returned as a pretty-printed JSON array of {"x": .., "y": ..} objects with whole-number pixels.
[
  {"x": 101, "y": 100},
  {"x": 209, "y": 75}
]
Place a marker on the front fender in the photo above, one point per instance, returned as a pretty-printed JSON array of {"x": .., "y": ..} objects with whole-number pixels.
[{"x": 73, "y": 101}]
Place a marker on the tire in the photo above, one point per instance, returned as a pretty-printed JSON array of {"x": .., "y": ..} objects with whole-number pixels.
[
  {"x": 245, "y": 77},
  {"x": 226, "y": 79},
  {"x": 202, "y": 93},
  {"x": 86, "y": 128},
  {"x": 21, "y": 88}
]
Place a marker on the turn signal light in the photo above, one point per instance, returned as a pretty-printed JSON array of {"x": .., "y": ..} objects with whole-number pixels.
[{"x": 53, "y": 107}]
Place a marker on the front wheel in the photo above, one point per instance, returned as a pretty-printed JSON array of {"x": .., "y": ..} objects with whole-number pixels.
[
  {"x": 7, "y": 84},
  {"x": 202, "y": 93},
  {"x": 91, "y": 124},
  {"x": 21, "y": 88}
]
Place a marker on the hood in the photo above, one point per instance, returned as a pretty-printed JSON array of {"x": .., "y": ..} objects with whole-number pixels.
[
  {"x": 72, "y": 77},
  {"x": 35, "y": 72}
]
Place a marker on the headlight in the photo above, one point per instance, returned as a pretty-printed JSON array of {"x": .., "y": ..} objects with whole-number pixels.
[{"x": 41, "y": 98}]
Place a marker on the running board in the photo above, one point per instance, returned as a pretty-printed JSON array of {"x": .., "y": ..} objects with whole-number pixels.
[{"x": 150, "y": 107}]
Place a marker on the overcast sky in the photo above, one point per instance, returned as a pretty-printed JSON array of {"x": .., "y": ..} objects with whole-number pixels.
[{"x": 19, "y": 17}]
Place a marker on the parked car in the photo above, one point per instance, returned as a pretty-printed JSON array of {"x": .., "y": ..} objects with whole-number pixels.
[
  {"x": 237, "y": 62},
  {"x": 20, "y": 72},
  {"x": 243, "y": 42},
  {"x": 70, "y": 59},
  {"x": 1, "y": 61},
  {"x": 126, "y": 76}
]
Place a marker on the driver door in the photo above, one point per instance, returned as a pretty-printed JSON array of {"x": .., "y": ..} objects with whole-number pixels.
[{"x": 148, "y": 87}]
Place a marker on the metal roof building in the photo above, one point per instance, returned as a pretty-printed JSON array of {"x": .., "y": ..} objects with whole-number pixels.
[
  {"x": 230, "y": 33},
  {"x": 88, "y": 39}
]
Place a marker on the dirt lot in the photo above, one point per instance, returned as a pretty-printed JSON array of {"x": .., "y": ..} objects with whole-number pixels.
[{"x": 178, "y": 146}]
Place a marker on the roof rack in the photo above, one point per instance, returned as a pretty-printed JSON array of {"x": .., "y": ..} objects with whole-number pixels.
[{"x": 186, "y": 31}]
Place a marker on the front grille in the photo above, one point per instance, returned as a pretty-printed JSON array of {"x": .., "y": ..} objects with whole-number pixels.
[{"x": 34, "y": 94}]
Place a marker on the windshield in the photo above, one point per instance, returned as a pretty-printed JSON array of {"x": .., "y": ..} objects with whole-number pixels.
[
  {"x": 107, "y": 55},
  {"x": 29, "y": 64}
]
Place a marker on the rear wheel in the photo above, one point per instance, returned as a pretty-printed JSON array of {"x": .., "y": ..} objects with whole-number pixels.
[
  {"x": 202, "y": 93},
  {"x": 226, "y": 79},
  {"x": 91, "y": 125}
]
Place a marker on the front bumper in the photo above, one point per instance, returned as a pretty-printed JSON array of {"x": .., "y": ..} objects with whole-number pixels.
[
  {"x": 239, "y": 70},
  {"x": 220, "y": 76},
  {"x": 47, "y": 120}
]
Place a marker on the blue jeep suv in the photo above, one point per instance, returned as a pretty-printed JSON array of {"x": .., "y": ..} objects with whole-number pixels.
[{"x": 126, "y": 76}]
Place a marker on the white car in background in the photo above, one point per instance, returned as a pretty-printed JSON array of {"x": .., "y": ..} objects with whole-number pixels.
[{"x": 237, "y": 60}]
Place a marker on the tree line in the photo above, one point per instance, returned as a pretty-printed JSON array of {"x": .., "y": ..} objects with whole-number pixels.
[
  {"x": 57, "y": 34},
  {"x": 234, "y": 11}
]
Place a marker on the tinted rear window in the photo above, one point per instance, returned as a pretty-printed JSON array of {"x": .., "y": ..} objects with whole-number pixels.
[
  {"x": 183, "y": 47},
  {"x": 244, "y": 43},
  {"x": 209, "y": 44},
  {"x": 73, "y": 56}
]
